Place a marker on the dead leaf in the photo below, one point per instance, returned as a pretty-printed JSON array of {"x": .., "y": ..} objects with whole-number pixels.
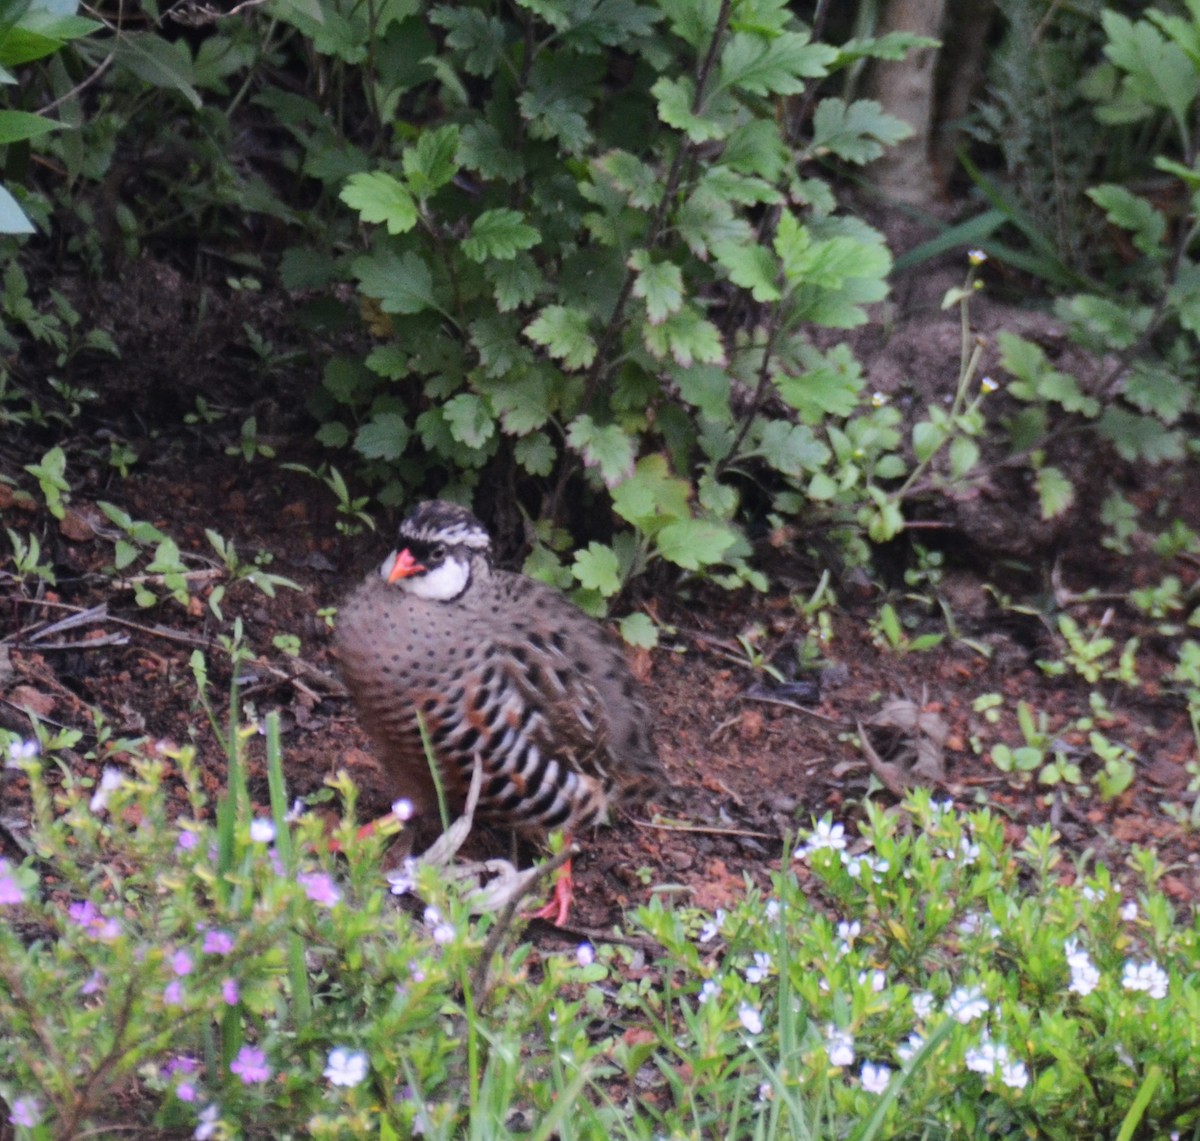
[
  {"x": 34, "y": 700},
  {"x": 75, "y": 527}
]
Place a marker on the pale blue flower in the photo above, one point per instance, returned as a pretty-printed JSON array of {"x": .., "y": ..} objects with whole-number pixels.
[
  {"x": 874, "y": 1077},
  {"x": 346, "y": 1067},
  {"x": 1149, "y": 977},
  {"x": 839, "y": 1045}
]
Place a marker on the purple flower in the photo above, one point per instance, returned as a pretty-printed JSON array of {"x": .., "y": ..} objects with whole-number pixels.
[
  {"x": 26, "y": 1111},
  {"x": 186, "y": 1090},
  {"x": 250, "y": 1065},
  {"x": 217, "y": 943},
  {"x": 173, "y": 993},
  {"x": 94, "y": 984},
  {"x": 320, "y": 888},
  {"x": 230, "y": 992},
  {"x": 181, "y": 1064},
  {"x": 181, "y": 963},
  {"x": 85, "y": 914},
  {"x": 10, "y": 890},
  {"x": 187, "y": 841}
]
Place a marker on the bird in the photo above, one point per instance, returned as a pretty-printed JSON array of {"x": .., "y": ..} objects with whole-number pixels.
[{"x": 494, "y": 665}]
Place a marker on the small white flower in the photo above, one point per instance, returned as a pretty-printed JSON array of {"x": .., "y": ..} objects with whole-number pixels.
[
  {"x": 1015, "y": 1075},
  {"x": 966, "y": 1005},
  {"x": 772, "y": 910},
  {"x": 262, "y": 830},
  {"x": 824, "y": 835},
  {"x": 986, "y": 1057},
  {"x": 839, "y": 1045},
  {"x": 404, "y": 878},
  {"x": 909, "y": 1047},
  {"x": 708, "y": 990},
  {"x": 879, "y": 399},
  {"x": 207, "y": 1128},
  {"x": 847, "y": 933},
  {"x": 1149, "y": 977},
  {"x": 766, "y": 1092},
  {"x": 922, "y": 1003},
  {"x": 19, "y": 751},
  {"x": 585, "y": 954},
  {"x": 988, "y": 384},
  {"x": 709, "y": 931},
  {"x": 878, "y": 982},
  {"x": 1085, "y": 978},
  {"x": 110, "y": 780},
  {"x": 402, "y": 809},
  {"x": 296, "y": 811},
  {"x": 874, "y": 1078},
  {"x": 750, "y": 1018},
  {"x": 976, "y": 257},
  {"x": 760, "y": 969},
  {"x": 1129, "y": 911},
  {"x": 1092, "y": 894},
  {"x": 346, "y": 1067}
]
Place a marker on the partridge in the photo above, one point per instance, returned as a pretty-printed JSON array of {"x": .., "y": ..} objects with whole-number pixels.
[{"x": 495, "y": 666}]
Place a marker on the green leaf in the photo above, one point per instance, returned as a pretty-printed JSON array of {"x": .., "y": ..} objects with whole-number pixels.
[
  {"x": 379, "y": 197},
  {"x": 1134, "y": 214},
  {"x": 791, "y": 448},
  {"x": 1055, "y": 492},
  {"x": 927, "y": 438},
  {"x": 470, "y": 419},
  {"x": 857, "y": 132},
  {"x": 964, "y": 455},
  {"x": 402, "y": 283},
  {"x": 476, "y": 36},
  {"x": 752, "y": 267},
  {"x": 597, "y": 568},
  {"x": 706, "y": 221},
  {"x": 651, "y": 497},
  {"x": 606, "y": 447},
  {"x": 430, "y": 164},
  {"x": 1157, "y": 72},
  {"x": 658, "y": 284},
  {"x": 640, "y": 182},
  {"x": 383, "y": 437},
  {"x": 482, "y": 148},
  {"x": 158, "y": 62},
  {"x": 638, "y": 630},
  {"x": 687, "y": 336},
  {"x": 706, "y": 387},
  {"x": 18, "y": 125},
  {"x": 535, "y": 453},
  {"x": 1157, "y": 390},
  {"x": 694, "y": 543},
  {"x": 516, "y": 282},
  {"x": 1140, "y": 437},
  {"x": 499, "y": 234},
  {"x": 563, "y": 331},
  {"x": 773, "y": 66},
  {"x": 675, "y": 97}
]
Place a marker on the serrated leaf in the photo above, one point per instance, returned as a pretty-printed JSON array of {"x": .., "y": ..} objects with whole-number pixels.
[
  {"x": 1158, "y": 391},
  {"x": 401, "y": 283},
  {"x": 597, "y": 568},
  {"x": 470, "y": 419},
  {"x": 1055, "y": 492},
  {"x": 516, "y": 282},
  {"x": 857, "y": 132},
  {"x": 431, "y": 163},
  {"x": 563, "y": 331},
  {"x": 380, "y": 197},
  {"x": 535, "y": 453},
  {"x": 524, "y": 399},
  {"x": 1140, "y": 437},
  {"x": 476, "y": 36},
  {"x": 705, "y": 221},
  {"x": 606, "y": 447},
  {"x": 383, "y": 437},
  {"x": 773, "y": 66},
  {"x": 706, "y": 387},
  {"x": 659, "y": 285},
  {"x": 333, "y": 434},
  {"x": 641, "y": 182},
  {"x": 482, "y": 148},
  {"x": 694, "y": 543},
  {"x": 499, "y": 234},
  {"x": 791, "y": 448},
  {"x": 651, "y": 497},
  {"x": 675, "y": 98},
  {"x": 1132, "y": 213},
  {"x": 638, "y": 630},
  {"x": 752, "y": 267},
  {"x": 687, "y": 337},
  {"x": 1156, "y": 71}
]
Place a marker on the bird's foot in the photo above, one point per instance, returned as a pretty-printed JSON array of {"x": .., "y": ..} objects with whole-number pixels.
[{"x": 558, "y": 906}]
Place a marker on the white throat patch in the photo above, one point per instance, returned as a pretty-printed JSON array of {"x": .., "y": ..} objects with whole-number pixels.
[{"x": 442, "y": 584}]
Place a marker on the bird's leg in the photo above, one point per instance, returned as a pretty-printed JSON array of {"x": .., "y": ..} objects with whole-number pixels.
[{"x": 558, "y": 906}]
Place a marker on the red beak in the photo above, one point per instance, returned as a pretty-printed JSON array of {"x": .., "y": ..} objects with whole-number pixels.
[{"x": 403, "y": 567}]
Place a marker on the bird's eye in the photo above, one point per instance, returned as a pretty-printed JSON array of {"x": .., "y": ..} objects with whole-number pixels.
[{"x": 437, "y": 553}]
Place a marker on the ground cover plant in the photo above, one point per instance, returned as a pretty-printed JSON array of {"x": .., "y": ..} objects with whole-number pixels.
[{"x": 601, "y": 268}]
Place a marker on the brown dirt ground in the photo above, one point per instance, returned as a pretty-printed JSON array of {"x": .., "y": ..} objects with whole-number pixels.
[{"x": 747, "y": 768}]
